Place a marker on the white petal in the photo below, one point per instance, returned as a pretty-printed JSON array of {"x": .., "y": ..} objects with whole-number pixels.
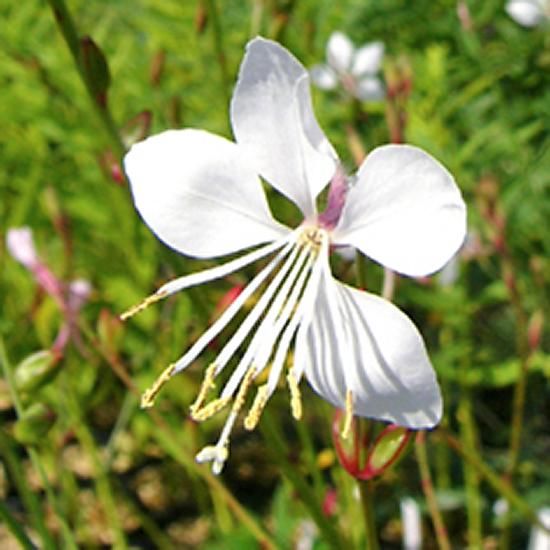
[
  {"x": 404, "y": 211},
  {"x": 323, "y": 77},
  {"x": 370, "y": 88},
  {"x": 272, "y": 116},
  {"x": 525, "y": 12},
  {"x": 20, "y": 243},
  {"x": 368, "y": 59},
  {"x": 197, "y": 193},
  {"x": 381, "y": 358},
  {"x": 340, "y": 52}
]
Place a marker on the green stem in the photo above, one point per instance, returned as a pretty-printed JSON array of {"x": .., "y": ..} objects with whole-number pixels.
[
  {"x": 170, "y": 442},
  {"x": 328, "y": 529},
  {"x": 102, "y": 483},
  {"x": 429, "y": 493},
  {"x": 68, "y": 29},
  {"x": 366, "y": 490},
  {"x": 468, "y": 437},
  {"x": 218, "y": 46},
  {"x": 173, "y": 445},
  {"x": 12, "y": 461},
  {"x": 37, "y": 462},
  {"x": 15, "y": 528},
  {"x": 495, "y": 481}
]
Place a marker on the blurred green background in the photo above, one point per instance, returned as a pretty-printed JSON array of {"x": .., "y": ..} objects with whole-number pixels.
[{"x": 90, "y": 469}]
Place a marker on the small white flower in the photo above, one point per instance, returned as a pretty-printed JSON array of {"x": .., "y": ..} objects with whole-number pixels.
[
  {"x": 202, "y": 195},
  {"x": 529, "y": 13},
  {"x": 354, "y": 69},
  {"x": 20, "y": 244}
]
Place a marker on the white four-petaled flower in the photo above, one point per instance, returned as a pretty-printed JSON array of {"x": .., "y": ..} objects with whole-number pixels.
[
  {"x": 202, "y": 195},
  {"x": 356, "y": 70},
  {"x": 529, "y": 13}
]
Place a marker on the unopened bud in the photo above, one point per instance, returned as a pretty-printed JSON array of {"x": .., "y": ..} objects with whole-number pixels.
[
  {"x": 364, "y": 458},
  {"x": 387, "y": 449},
  {"x": 95, "y": 68},
  {"x": 534, "y": 330},
  {"x": 157, "y": 67},
  {"x": 36, "y": 370},
  {"x": 35, "y": 423}
]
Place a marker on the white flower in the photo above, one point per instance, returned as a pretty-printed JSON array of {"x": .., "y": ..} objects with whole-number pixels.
[
  {"x": 529, "y": 13},
  {"x": 202, "y": 195},
  {"x": 20, "y": 244},
  {"x": 355, "y": 70}
]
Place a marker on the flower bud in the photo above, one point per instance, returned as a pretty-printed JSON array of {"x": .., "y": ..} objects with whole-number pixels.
[
  {"x": 387, "y": 449},
  {"x": 364, "y": 458},
  {"x": 35, "y": 423},
  {"x": 20, "y": 244},
  {"x": 534, "y": 329},
  {"x": 36, "y": 370}
]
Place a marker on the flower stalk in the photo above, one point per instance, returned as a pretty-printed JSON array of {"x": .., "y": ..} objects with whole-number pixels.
[{"x": 92, "y": 68}]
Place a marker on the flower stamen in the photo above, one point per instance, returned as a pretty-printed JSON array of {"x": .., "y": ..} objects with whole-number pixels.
[
  {"x": 206, "y": 386},
  {"x": 153, "y": 298},
  {"x": 243, "y": 389},
  {"x": 295, "y": 395},
  {"x": 346, "y": 429},
  {"x": 210, "y": 409},
  {"x": 148, "y": 397},
  {"x": 255, "y": 412}
]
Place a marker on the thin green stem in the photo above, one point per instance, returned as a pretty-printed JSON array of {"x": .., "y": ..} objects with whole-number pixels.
[
  {"x": 170, "y": 442},
  {"x": 218, "y": 46},
  {"x": 468, "y": 436},
  {"x": 102, "y": 483},
  {"x": 428, "y": 488},
  {"x": 37, "y": 462},
  {"x": 366, "y": 491},
  {"x": 65, "y": 24},
  {"x": 328, "y": 529},
  {"x": 29, "y": 499},
  {"x": 15, "y": 528},
  {"x": 500, "y": 486},
  {"x": 173, "y": 445}
]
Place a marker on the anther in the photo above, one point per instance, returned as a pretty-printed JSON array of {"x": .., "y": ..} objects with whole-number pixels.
[
  {"x": 206, "y": 386},
  {"x": 211, "y": 409},
  {"x": 142, "y": 305},
  {"x": 148, "y": 397},
  {"x": 243, "y": 389},
  {"x": 253, "y": 416},
  {"x": 295, "y": 395},
  {"x": 346, "y": 429}
]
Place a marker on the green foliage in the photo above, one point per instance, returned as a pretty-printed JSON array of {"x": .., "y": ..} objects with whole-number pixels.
[{"x": 82, "y": 465}]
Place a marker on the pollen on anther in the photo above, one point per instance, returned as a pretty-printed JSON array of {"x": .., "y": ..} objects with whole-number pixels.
[
  {"x": 143, "y": 305},
  {"x": 206, "y": 386},
  {"x": 148, "y": 397},
  {"x": 255, "y": 412},
  {"x": 204, "y": 413},
  {"x": 346, "y": 429},
  {"x": 295, "y": 395},
  {"x": 243, "y": 389}
]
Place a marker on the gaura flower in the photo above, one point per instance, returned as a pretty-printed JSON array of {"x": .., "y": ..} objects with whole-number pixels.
[
  {"x": 202, "y": 195},
  {"x": 69, "y": 297},
  {"x": 529, "y": 13},
  {"x": 354, "y": 69}
]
